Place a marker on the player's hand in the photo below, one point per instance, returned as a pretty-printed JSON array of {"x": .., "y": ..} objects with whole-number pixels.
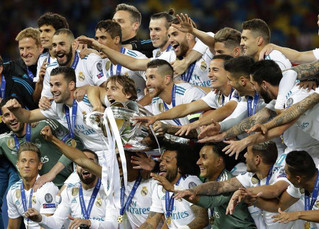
[
  {"x": 42, "y": 180},
  {"x": 258, "y": 128},
  {"x": 145, "y": 120},
  {"x": 163, "y": 181},
  {"x": 235, "y": 147},
  {"x": 45, "y": 103},
  {"x": 46, "y": 132},
  {"x": 89, "y": 42},
  {"x": 79, "y": 94},
  {"x": 185, "y": 23},
  {"x": 285, "y": 217},
  {"x": 266, "y": 51},
  {"x": 309, "y": 85},
  {"x": 160, "y": 128},
  {"x": 75, "y": 222},
  {"x": 12, "y": 105},
  {"x": 33, "y": 215},
  {"x": 186, "y": 194},
  {"x": 179, "y": 67},
  {"x": 209, "y": 130},
  {"x": 142, "y": 161},
  {"x": 186, "y": 129},
  {"x": 42, "y": 71}
]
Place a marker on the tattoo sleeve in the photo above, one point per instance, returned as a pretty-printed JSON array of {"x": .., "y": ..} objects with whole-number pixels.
[
  {"x": 260, "y": 117},
  {"x": 214, "y": 188},
  {"x": 201, "y": 218},
  {"x": 306, "y": 70},
  {"x": 294, "y": 111},
  {"x": 152, "y": 220}
]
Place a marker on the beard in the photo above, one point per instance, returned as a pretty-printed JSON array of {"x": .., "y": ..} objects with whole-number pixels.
[
  {"x": 171, "y": 176},
  {"x": 265, "y": 96},
  {"x": 88, "y": 180},
  {"x": 68, "y": 58}
]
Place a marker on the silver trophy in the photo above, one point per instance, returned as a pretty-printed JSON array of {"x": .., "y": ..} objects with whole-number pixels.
[{"x": 134, "y": 138}]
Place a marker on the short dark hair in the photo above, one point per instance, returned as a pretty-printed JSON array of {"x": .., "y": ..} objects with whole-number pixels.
[
  {"x": 57, "y": 21},
  {"x": 229, "y": 36},
  {"x": 136, "y": 15},
  {"x": 186, "y": 157},
  {"x": 6, "y": 99},
  {"x": 300, "y": 163},
  {"x": 259, "y": 27},
  {"x": 267, "y": 151},
  {"x": 68, "y": 73},
  {"x": 127, "y": 83},
  {"x": 29, "y": 146},
  {"x": 92, "y": 152},
  {"x": 239, "y": 66},
  {"x": 266, "y": 70},
  {"x": 111, "y": 27},
  {"x": 222, "y": 57},
  {"x": 169, "y": 16},
  {"x": 230, "y": 162},
  {"x": 162, "y": 65},
  {"x": 66, "y": 32}
]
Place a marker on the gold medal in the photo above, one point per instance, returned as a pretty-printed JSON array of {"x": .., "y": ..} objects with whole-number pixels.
[
  {"x": 169, "y": 220},
  {"x": 307, "y": 225},
  {"x": 73, "y": 143},
  {"x": 120, "y": 219}
]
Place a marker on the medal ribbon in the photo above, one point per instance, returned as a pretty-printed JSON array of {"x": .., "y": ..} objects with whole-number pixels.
[
  {"x": 173, "y": 104},
  {"x": 186, "y": 76},
  {"x": 71, "y": 125},
  {"x": 169, "y": 202},
  {"x": 75, "y": 61},
  {"x": 87, "y": 211},
  {"x": 268, "y": 176},
  {"x": 252, "y": 110},
  {"x": 223, "y": 97},
  {"x": 118, "y": 67},
  {"x": 27, "y": 137},
  {"x": 3, "y": 86},
  {"x": 124, "y": 206},
  {"x": 309, "y": 204},
  {"x": 168, "y": 48},
  {"x": 24, "y": 200}
]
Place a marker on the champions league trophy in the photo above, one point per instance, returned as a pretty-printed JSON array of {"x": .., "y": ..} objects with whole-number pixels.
[{"x": 134, "y": 138}]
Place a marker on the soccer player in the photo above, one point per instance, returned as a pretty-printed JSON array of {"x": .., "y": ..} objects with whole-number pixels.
[{"x": 21, "y": 195}]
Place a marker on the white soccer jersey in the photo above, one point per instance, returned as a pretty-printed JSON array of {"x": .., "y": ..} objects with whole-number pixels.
[
  {"x": 217, "y": 100},
  {"x": 295, "y": 192},
  {"x": 92, "y": 139},
  {"x": 168, "y": 55},
  {"x": 137, "y": 76},
  {"x": 42, "y": 58},
  {"x": 308, "y": 123},
  {"x": 316, "y": 53},
  {"x": 88, "y": 71},
  {"x": 70, "y": 205},
  {"x": 43, "y": 200},
  {"x": 197, "y": 73},
  {"x": 250, "y": 180},
  {"x": 139, "y": 208},
  {"x": 184, "y": 93},
  {"x": 182, "y": 213}
]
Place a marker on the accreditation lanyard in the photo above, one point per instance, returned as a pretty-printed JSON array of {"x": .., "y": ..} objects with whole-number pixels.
[
  {"x": 3, "y": 86},
  {"x": 173, "y": 104},
  {"x": 118, "y": 66},
  {"x": 223, "y": 97},
  {"x": 87, "y": 211},
  {"x": 169, "y": 201},
  {"x": 27, "y": 137},
  {"x": 75, "y": 61},
  {"x": 252, "y": 109},
  {"x": 269, "y": 175},
  {"x": 71, "y": 125},
  {"x": 186, "y": 76},
  {"x": 24, "y": 200},
  {"x": 309, "y": 203},
  {"x": 124, "y": 206},
  {"x": 30, "y": 74}
]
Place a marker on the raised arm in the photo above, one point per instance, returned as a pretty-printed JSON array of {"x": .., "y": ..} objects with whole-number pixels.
[
  {"x": 115, "y": 56},
  {"x": 201, "y": 218}
]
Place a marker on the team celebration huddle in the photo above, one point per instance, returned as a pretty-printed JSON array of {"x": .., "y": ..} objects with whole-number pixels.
[{"x": 190, "y": 129}]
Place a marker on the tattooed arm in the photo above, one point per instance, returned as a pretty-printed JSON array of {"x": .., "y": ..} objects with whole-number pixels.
[
  {"x": 260, "y": 117},
  {"x": 152, "y": 220},
  {"x": 306, "y": 70},
  {"x": 201, "y": 218},
  {"x": 294, "y": 112}
]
